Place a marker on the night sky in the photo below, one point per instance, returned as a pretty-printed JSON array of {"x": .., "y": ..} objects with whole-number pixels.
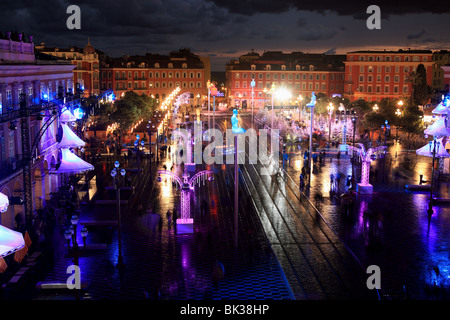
[{"x": 224, "y": 29}]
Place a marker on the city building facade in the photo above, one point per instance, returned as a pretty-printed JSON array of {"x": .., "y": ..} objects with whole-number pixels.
[
  {"x": 87, "y": 62},
  {"x": 157, "y": 75},
  {"x": 38, "y": 78},
  {"x": 300, "y": 73},
  {"x": 374, "y": 75}
]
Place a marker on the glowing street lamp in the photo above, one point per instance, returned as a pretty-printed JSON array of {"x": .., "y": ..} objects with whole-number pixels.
[
  {"x": 375, "y": 108},
  {"x": 115, "y": 176},
  {"x": 330, "y": 109},
  {"x": 283, "y": 94}
]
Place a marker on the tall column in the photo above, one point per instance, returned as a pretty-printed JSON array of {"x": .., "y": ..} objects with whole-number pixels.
[
  {"x": 36, "y": 91},
  {"x": 15, "y": 95},
  {"x": 3, "y": 101}
]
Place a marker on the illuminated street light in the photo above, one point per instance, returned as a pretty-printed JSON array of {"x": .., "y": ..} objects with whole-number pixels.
[
  {"x": 375, "y": 108},
  {"x": 330, "y": 109}
]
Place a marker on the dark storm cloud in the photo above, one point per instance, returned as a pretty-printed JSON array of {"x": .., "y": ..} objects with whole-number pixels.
[
  {"x": 343, "y": 7},
  {"x": 317, "y": 32},
  {"x": 415, "y": 35}
]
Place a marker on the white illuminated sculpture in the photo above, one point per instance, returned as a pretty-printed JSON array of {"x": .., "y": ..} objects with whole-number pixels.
[
  {"x": 186, "y": 224},
  {"x": 366, "y": 156}
]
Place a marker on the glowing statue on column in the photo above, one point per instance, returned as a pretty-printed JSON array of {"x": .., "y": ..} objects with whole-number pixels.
[
  {"x": 364, "y": 187},
  {"x": 235, "y": 123},
  {"x": 312, "y": 103}
]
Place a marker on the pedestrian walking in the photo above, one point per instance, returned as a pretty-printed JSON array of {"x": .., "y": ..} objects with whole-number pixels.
[
  {"x": 169, "y": 219},
  {"x": 331, "y": 182},
  {"x": 339, "y": 155},
  {"x": 174, "y": 219},
  {"x": 338, "y": 180},
  {"x": 302, "y": 183}
]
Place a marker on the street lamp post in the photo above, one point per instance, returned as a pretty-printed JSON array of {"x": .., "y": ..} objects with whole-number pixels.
[
  {"x": 252, "y": 84},
  {"x": 398, "y": 113},
  {"x": 430, "y": 203},
  {"x": 71, "y": 235},
  {"x": 387, "y": 130},
  {"x": 114, "y": 174},
  {"x": 208, "y": 84},
  {"x": 330, "y": 109}
]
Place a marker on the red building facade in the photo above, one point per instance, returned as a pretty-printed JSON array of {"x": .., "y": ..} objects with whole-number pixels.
[
  {"x": 157, "y": 75},
  {"x": 374, "y": 75},
  {"x": 298, "y": 72}
]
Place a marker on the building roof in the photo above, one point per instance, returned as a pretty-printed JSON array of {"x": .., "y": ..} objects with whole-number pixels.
[
  {"x": 176, "y": 58},
  {"x": 401, "y": 51},
  {"x": 276, "y": 59}
]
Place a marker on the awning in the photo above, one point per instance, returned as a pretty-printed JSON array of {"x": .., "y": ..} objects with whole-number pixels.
[
  {"x": 427, "y": 150},
  {"x": 4, "y": 202},
  {"x": 438, "y": 128},
  {"x": 71, "y": 163},
  {"x": 69, "y": 138},
  {"x": 10, "y": 241}
]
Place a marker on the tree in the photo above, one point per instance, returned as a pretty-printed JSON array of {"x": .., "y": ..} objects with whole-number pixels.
[
  {"x": 373, "y": 122},
  {"x": 420, "y": 91},
  {"x": 411, "y": 122}
]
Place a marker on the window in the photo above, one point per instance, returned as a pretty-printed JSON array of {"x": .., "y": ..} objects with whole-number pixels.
[
  {"x": 275, "y": 76},
  {"x": 163, "y": 74},
  {"x": 244, "y": 76},
  {"x": 369, "y": 78},
  {"x": 369, "y": 89},
  {"x": 156, "y": 65},
  {"x": 268, "y": 67},
  {"x": 317, "y": 86},
  {"x": 361, "y": 78},
  {"x": 397, "y": 58},
  {"x": 267, "y": 76},
  {"x": 311, "y": 77},
  {"x": 253, "y": 67},
  {"x": 388, "y": 58},
  {"x": 405, "y": 69},
  {"x": 378, "y": 89},
  {"x": 361, "y": 69},
  {"x": 386, "y": 89},
  {"x": 199, "y": 75},
  {"x": 370, "y": 59},
  {"x": 170, "y": 65},
  {"x": 397, "y": 69},
  {"x": 184, "y": 65},
  {"x": 387, "y": 69},
  {"x": 260, "y": 75},
  {"x": 283, "y": 68},
  {"x": 310, "y": 86},
  {"x": 387, "y": 79},
  {"x": 396, "y": 89},
  {"x": 304, "y": 76},
  {"x": 290, "y": 76},
  {"x": 129, "y": 74},
  {"x": 378, "y": 78},
  {"x": 236, "y": 84},
  {"x": 297, "y": 77},
  {"x": 317, "y": 76},
  {"x": 405, "y": 89},
  {"x": 396, "y": 78},
  {"x": 369, "y": 68},
  {"x": 282, "y": 76},
  {"x": 323, "y": 87},
  {"x": 297, "y": 67}
]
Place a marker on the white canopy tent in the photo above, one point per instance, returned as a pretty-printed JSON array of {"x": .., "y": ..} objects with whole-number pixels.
[
  {"x": 441, "y": 152},
  {"x": 71, "y": 163},
  {"x": 4, "y": 202},
  {"x": 67, "y": 116},
  {"x": 69, "y": 138},
  {"x": 10, "y": 241},
  {"x": 438, "y": 128}
]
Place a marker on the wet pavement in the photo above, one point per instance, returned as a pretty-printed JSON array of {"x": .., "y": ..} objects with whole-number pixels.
[
  {"x": 161, "y": 264},
  {"x": 288, "y": 248},
  {"x": 395, "y": 234}
]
